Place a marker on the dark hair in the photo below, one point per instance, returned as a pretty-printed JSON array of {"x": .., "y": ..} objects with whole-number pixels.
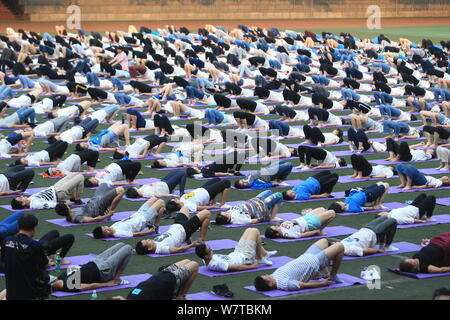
[
  {"x": 51, "y": 140},
  {"x": 98, "y": 233},
  {"x": 156, "y": 165},
  {"x": 200, "y": 250},
  {"x": 77, "y": 120},
  {"x": 221, "y": 219},
  {"x": 237, "y": 184},
  {"x": 406, "y": 267},
  {"x": 140, "y": 248},
  {"x": 117, "y": 155},
  {"x": 62, "y": 209},
  {"x": 88, "y": 183},
  {"x": 286, "y": 196},
  {"x": 50, "y": 115},
  {"x": 261, "y": 284},
  {"x": 78, "y": 147},
  {"x": 335, "y": 207},
  {"x": 342, "y": 162},
  {"x": 395, "y": 172},
  {"x": 172, "y": 206},
  {"x": 27, "y": 222},
  {"x": 132, "y": 193},
  {"x": 190, "y": 172},
  {"x": 17, "y": 162},
  {"x": 340, "y": 133},
  {"x": 16, "y": 204},
  {"x": 294, "y": 152},
  {"x": 441, "y": 292},
  {"x": 270, "y": 233}
]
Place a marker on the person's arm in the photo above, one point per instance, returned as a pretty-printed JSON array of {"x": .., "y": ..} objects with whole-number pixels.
[
  {"x": 242, "y": 267},
  {"x": 144, "y": 233},
  {"x": 328, "y": 166},
  {"x": 164, "y": 195},
  {"x": 310, "y": 234},
  {"x": 216, "y": 206},
  {"x": 97, "y": 285},
  {"x": 182, "y": 248},
  {"x": 7, "y": 193},
  {"x": 379, "y": 176},
  {"x": 424, "y": 186},
  {"x": 97, "y": 219},
  {"x": 322, "y": 195},
  {"x": 41, "y": 163},
  {"x": 144, "y": 153},
  {"x": 312, "y": 285},
  {"x": 254, "y": 221},
  {"x": 369, "y": 251},
  {"x": 434, "y": 269}
]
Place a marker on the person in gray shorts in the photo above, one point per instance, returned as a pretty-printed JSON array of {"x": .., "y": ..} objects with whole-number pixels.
[
  {"x": 100, "y": 207},
  {"x": 148, "y": 216},
  {"x": 312, "y": 265}
]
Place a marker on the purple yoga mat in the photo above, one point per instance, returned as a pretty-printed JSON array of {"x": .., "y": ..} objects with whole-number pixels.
[
  {"x": 162, "y": 229},
  {"x": 403, "y": 246},
  {"x": 245, "y": 173},
  {"x": 440, "y": 219},
  {"x": 348, "y": 281},
  {"x": 116, "y": 217},
  {"x": 134, "y": 281},
  {"x": 205, "y": 295},
  {"x": 443, "y": 201},
  {"x": 285, "y": 184},
  {"x": 8, "y": 207},
  {"x": 419, "y": 275},
  {"x": 390, "y": 205},
  {"x": 284, "y": 216},
  {"x": 277, "y": 262},
  {"x": 331, "y": 232},
  {"x": 216, "y": 245},
  {"x": 138, "y": 182},
  {"x": 77, "y": 261},
  {"x": 336, "y": 195},
  {"x": 296, "y": 170},
  {"x": 394, "y": 190},
  {"x": 347, "y": 179},
  {"x": 389, "y": 163}
]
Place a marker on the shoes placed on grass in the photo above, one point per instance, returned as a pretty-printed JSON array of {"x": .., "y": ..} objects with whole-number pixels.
[{"x": 222, "y": 290}]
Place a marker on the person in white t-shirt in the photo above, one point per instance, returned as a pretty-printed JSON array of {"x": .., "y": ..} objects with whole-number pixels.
[
  {"x": 180, "y": 232},
  {"x": 408, "y": 153},
  {"x": 73, "y": 163},
  {"x": 419, "y": 211},
  {"x": 412, "y": 178},
  {"x": 115, "y": 172},
  {"x": 181, "y": 156},
  {"x": 247, "y": 255},
  {"x": 148, "y": 216},
  {"x": 161, "y": 189},
  {"x": 363, "y": 169},
  {"x": 379, "y": 231}
]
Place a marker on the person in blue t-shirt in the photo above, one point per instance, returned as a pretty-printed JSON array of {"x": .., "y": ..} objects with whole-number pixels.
[
  {"x": 358, "y": 198},
  {"x": 318, "y": 186}
]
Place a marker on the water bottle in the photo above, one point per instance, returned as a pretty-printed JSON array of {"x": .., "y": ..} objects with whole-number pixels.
[
  {"x": 58, "y": 262},
  {"x": 408, "y": 202},
  {"x": 94, "y": 295}
]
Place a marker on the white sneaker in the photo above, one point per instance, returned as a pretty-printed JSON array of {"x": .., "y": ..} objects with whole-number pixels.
[
  {"x": 443, "y": 169},
  {"x": 431, "y": 219},
  {"x": 391, "y": 248},
  {"x": 271, "y": 253},
  {"x": 265, "y": 261},
  {"x": 304, "y": 168}
]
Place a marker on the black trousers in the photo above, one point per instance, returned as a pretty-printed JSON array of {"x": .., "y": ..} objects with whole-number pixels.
[
  {"x": 267, "y": 71},
  {"x": 229, "y": 161},
  {"x": 77, "y": 88},
  {"x": 425, "y": 204},
  {"x": 232, "y": 88},
  {"x": 130, "y": 169},
  {"x": 52, "y": 242},
  {"x": 18, "y": 177},
  {"x": 58, "y": 100},
  {"x": 234, "y": 139},
  {"x": 267, "y": 145},
  {"x": 141, "y": 87},
  {"x": 359, "y": 163},
  {"x": 290, "y": 95},
  {"x": 401, "y": 150},
  {"x": 441, "y": 131},
  {"x": 351, "y": 83},
  {"x": 358, "y": 137},
  {"x": 162, "y": 122},
  {"x": 318, "y": 113},
  {"x": 97, "y": 94},
  {"x": 313, "y": 134},
  {"x": 245, "y": 104},
  {"x": 216, "y": 186},
  {"x": 155, "y": 140},
  {"x": 327, "y": 180},
  {"x": 222, "y": 101},
  {"x": 89, "y": 156},
  {"x": 244, "y": 115},
  {"x": 57, "y": 150},
  {"x": 285, "y": 111},
  {"x": 261, "y": 93},
  {"x": 306, "y": 153},
  {"x": 197, "y": 131}
]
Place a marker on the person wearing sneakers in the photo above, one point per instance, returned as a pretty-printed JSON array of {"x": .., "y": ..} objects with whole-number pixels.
[
  {"x": 312, "y": 265},
  {"x": 104, "y": 271},
  {"x": 380, "y": 231},
  {"x": 70, "y": 185},
  {"x": 148, "y": 216},
  {"x": 319, "y": 185},
  {"x": 247, "y": 255},
  {"x": 419, "y": 211},
  {"x": 309, "y": 225}
]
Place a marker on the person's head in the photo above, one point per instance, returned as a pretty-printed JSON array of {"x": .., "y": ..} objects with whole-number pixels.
[
  {"x": 241, "y": 184},
  {"x": 90, "y": 182},
  {"x": 62, "y": 209},
  {"x": 132, "y": 193},
  {"x": 52, "y": 115},
  {"x": 342, "y": 162},
  {"x": 52, "y": 140},
  {"x": 20, "y": 203},
  {"x": 21, "y": 161},
  {"x": 159, "y": 163},
  {"x": 337, "y": 206},
  {"x": 103, "y": 232},
  {"x": 77, "y": 121},
  {"x": 294, "y": 152},
  {"x": 53, "y": 171},
  {"x": 273, "y": 232},
  {"x": 27, "y": 223},
  {"x": 223, "y": 218},
  {"x": 265, "y": 283},
  {"x": 79, "y": 147},
  {"x": 289, "y": 195},
  {"x": 441, "y": 294},
  {"x": 145, "y": 247},
  {"x": 173, "y": 205},
  {"x": 409, "y": 265},
  {"x": 119, "y": 154},
  {"x": 203, "y": 251},
  {"x": 445, "y": 180}
]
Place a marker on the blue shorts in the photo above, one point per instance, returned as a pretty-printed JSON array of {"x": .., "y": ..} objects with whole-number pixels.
[
  {"x": 313, "y": 221},
  {"x": 374, "y": 192},
  {"x": 320, "y": 255}
]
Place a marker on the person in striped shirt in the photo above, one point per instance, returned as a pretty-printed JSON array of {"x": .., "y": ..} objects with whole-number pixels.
[{"x": 312, "y": 265}]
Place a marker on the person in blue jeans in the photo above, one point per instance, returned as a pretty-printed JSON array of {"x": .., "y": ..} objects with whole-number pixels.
[
  {"x": 357, "y": 198},
  {"x": 135, "y": 119},
  {"x": 6, "y": 92},
  {"x": 389, "y": 112},
  {"x": 441, "y": 95},
  {"x": 349, "y": 94},
  {"x": 194, "y": 94},
  {"x": 214, "y": 116},
  {"x": 399, "y": 128},
  {"x": 9, "y": 226},
  {"x": 412, "y": 178},
  {"x": 382, "y": 98},
  {"x": 267, "y": 177},
  {"x": 320, "y": 79},
  {"x": 27, "y": 115}
]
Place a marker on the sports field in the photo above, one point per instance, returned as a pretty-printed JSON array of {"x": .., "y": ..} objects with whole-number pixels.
[{"x": 393, "y": 286}]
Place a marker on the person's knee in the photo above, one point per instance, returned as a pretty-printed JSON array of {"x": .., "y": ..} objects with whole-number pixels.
[{"x": 120, "y": 190}]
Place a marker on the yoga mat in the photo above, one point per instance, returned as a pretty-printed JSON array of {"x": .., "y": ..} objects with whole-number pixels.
[
  {"x": 330, "y": 232},
  {"x": 348, "y": 281},
  {"x": 336, "y": 195},
  {"x": 134, "y": 281},
  {"x": 8, "y": 206},
  {"x": 390, "y": 206},
  {"x": 277, "y": 263},
  {"x": 296, "y": 170},
  {"x": 162, "y": 229},
  {"x": 393, "y": 190},
  {"x": 116, "y": 217},
  {"x": 443, "y": 201},
  {"x": 284, "y": 216},
  {"x": 419, "y": 275},
  {"x": 138, "y": 182},
  {"x": 285, "y": 184},
  {"x": 390, "y": 163},
  {"x": 205, "y": 295},
  {"x": 216, "y": 245},
  {"x": 76, "y": 261},
  {"x": 440, "y": 219},
  {"x": 402, "y": 246}
]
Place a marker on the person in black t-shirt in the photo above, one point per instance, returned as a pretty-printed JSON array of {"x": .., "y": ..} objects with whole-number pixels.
[{"x": 171, "y": 282}]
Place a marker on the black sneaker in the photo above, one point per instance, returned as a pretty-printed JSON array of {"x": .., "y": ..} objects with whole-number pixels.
[
  {"x": 222, "y": 290},
  {"x": 76, "y": 201}
]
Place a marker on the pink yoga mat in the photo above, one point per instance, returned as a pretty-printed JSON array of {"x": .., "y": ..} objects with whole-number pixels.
[
  {"x": 216, "y": 245},
  {"x": 403, "y": 246},
  {"x": 331, "y": 232}
]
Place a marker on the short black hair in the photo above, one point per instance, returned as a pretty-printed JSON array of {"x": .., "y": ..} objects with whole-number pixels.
[
  {"x": 286, "y": 196},
  {"x": 237, "y": 184},
  {"x": 342, "y": 162},
  {"x": 294, "y": 152},
  {"x": 172, "y": 206},
  {"x": 156, "y": 165},
  {"x": 335, "y": 207},
  {"x": 27, "y": 222},
  {"x": 17, "y": 162},
  {"x": 50, "y": 115},
  {"x": 117, "y": 155},
  {"x": 77, "y": 120},
  {"x": 98, "y": 233},
  {"x": 190, "y": 172},
  {"x": 51, "y": 140},
  {"x": 406, "y": 266},
  {"x": 200, "y": 250},
  {"x": 261, "y": 284},
  {"x": 140, "y": 248},
  {"x": 78, "y": 147},
  {"x": 88, "y": 183},
  {"x": 132, "y": 193},
  {"x": 16, "y": 204},
  {"x": 62, "y": 209},
  {"x": 340, "y": 133},
  {"x": 441, "y": 292},
  {"x": 221, "y": 219},
  {"x": 270, "y": 233}
]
